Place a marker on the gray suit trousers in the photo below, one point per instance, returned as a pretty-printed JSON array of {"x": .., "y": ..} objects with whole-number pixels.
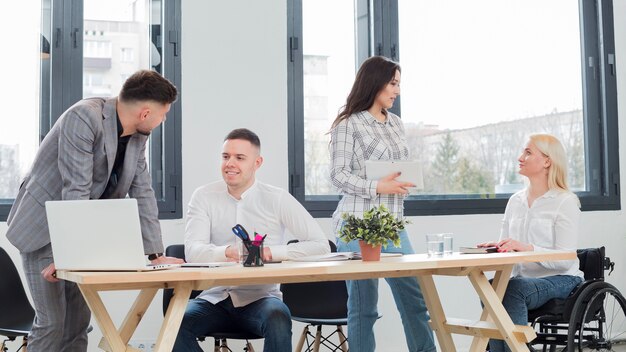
[{"x": 62, "y": 314}]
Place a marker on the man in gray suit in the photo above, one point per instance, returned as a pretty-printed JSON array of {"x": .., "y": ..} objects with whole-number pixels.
[{"x": 96, "y": 150}]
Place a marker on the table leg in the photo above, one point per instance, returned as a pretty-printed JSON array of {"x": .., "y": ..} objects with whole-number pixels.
[
  {"x": 173, "y": 317},
  {"x": 137, "y": 312},
  {"x": 493, "y": 305},
  {"x": 103, "y": 318},
  {"x": 500, "y": 281},
  {"x": 134, "y": 316},
  {"x": 437, "y": 315}
]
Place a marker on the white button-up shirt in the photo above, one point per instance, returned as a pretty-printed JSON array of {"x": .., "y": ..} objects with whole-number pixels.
[
  {"x": 551, "y": 223},
  {"x": 262, "y": 208}
]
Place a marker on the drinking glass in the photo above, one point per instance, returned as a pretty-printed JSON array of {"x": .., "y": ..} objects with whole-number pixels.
[
  {"x": 447, "y": 243},
  {"x": 434, "y": 244}
]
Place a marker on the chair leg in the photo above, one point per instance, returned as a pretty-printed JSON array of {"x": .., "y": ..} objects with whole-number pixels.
[
  {"x": 249, "y": 347},
  {"x": 216, "y": 347},
  {"x": 305, "y": 331},
  {"x": 318, "y": 339},
  {"x": 343, "y": 342},
  {"x": 3, "y": 347},
  {"x": 224, "y": 346}
]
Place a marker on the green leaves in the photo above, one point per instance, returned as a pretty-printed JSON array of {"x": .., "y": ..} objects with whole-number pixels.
[{"x": 377, "y": 227}]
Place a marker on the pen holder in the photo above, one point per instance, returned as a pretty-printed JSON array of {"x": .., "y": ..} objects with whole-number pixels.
[{"x": 254, "y": 256}]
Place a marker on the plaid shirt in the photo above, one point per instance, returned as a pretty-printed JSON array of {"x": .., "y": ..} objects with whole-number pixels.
[{"x": 358, "y": 138}]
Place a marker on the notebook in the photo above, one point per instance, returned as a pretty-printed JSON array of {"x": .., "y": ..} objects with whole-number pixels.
[
  {"x": 97, "y": 235},
  {"x": 411, "y": 171},
  {"x": 337, "y": 256},
  {"x": 208, "y": 264},
  {"x": 478, "y": 250}
]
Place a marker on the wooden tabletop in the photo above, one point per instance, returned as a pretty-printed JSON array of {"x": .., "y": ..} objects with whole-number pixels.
[{"x": 407, "y": 265}]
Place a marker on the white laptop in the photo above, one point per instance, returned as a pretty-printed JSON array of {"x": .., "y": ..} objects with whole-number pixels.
[
  {"x": 411, "y": 171},
  {"x": 97, "y": 235}
]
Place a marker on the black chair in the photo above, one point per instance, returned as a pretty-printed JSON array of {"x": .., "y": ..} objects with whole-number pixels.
[
  {"x": 318, "y": 304},
  {"x": 221, "y": 338},
  {"x": 16, "y": 312},
  {"x": 592, "y": 318}
]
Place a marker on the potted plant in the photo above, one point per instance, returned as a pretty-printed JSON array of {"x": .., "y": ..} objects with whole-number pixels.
[{"x": 377, "y": 227}]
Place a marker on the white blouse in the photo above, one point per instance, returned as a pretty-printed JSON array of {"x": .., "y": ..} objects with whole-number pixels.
[{"x": 550, "y": 224}]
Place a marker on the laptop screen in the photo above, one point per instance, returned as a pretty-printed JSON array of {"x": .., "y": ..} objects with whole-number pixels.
[{"x": 96, "y": 234}]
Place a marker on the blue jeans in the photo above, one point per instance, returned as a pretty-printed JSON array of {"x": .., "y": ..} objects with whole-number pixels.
[
  {"x": 268, "y": 317},
  {"x": 525, "y": 293},
  {"x": 363, "y": 301}
]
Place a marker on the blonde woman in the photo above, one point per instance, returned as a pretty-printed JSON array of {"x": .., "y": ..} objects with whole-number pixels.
[{"x": 542, "y": 217}]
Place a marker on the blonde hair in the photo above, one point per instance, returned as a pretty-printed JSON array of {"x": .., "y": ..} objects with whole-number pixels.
[{"x": 551, "y": 147}]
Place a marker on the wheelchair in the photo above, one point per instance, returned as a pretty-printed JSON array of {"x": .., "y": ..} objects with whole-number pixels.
[{"x": 592, "y": 318}]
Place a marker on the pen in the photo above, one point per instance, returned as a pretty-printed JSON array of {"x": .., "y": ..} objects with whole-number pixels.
[
  {"x": 241, "y": 232},
  {"x": 238, "y": 234}
]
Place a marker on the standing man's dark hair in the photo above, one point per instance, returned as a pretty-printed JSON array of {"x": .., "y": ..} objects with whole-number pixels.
[
  {"x": 246, "y": 135},
  {"x": 145, "y": 85}
]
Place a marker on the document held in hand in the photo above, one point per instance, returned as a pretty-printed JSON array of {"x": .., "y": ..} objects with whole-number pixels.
[{"x": 410, "y": 171}]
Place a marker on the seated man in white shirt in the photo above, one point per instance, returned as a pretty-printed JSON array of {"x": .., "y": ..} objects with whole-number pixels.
[{"x": 213, "y": 210}]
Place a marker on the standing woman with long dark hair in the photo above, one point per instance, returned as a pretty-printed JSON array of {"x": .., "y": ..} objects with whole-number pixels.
[{"x": 366, "y": 130}]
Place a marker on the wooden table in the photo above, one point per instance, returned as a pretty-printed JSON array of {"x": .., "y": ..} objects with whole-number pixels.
[{"x": 494, "y": 322}]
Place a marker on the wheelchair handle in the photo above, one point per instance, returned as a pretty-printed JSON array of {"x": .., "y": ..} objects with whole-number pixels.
[{"x": 608, "y": 264}]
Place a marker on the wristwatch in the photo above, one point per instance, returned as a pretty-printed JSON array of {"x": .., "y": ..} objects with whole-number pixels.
[{"x": 154, "y": 256}]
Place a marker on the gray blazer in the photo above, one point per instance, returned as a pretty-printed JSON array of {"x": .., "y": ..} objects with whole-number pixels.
[{"x": 74, "y": 161}]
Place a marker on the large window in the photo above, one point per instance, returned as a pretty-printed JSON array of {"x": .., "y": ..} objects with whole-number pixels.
[
  {"x": 477, "y": 78},
  {"x": 21, "y": 60},
  {"x": 84, "y": 49}
]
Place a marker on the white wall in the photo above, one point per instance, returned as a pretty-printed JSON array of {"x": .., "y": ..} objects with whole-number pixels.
[{"x": 235, "y": 75}]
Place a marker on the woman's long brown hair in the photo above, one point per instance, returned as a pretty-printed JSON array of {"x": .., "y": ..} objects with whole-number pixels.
[{"x": 373, "y": 75}]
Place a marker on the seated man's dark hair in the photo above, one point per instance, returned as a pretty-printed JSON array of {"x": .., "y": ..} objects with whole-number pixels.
[
  {"x": 146, "y": 85},
  {"x": 245, "y": 134}
]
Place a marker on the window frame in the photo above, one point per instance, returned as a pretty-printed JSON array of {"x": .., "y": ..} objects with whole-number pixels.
[
  {"x": 381, "y": 31},
  {"x": 66, "y": 88}
]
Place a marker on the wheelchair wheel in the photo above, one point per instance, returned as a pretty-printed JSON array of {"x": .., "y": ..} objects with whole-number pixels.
[{"x": 598, "y": 320}]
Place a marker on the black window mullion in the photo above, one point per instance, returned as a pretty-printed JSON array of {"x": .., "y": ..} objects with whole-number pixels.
[
  {"x": 390, "y": 39},
  {"x": 364, "y": 29},
  {"x": 608, "y": 92},
  {"x": 58, "y": 60},
  {"x": 74, "y": 47},
  {"x": 169, "y": 147},
  {"x": 295, "y": 106},
  {"x": 49, "y": 13},
  {"x": 591, "y": 100},
  {"x": 600, "y": 107}
]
